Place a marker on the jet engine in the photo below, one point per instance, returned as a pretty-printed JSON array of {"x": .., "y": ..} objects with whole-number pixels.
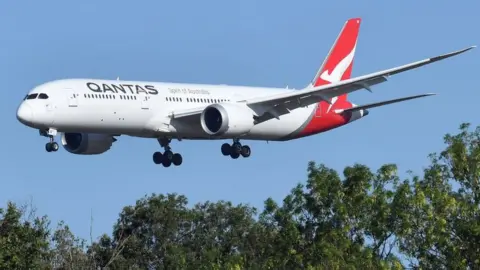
[
  {"x": 87, "y": 143},
  {"x": 227, "y": 119}
]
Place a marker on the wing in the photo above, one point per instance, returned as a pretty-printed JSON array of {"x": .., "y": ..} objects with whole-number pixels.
[
  {"x": 381, "y": 103},
  {"x": 273, "y": 106}
]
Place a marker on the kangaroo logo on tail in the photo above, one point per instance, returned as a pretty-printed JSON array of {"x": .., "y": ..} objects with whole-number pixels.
[{"x": 337, "y": 73}]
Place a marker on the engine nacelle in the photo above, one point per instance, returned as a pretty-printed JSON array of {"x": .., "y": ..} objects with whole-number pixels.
[
  {"x": 227, "y": 119},
  {"x": 86, "y": 143}
]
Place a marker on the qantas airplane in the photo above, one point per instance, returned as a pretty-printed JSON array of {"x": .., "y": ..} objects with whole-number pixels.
[{"x": 91, "y": 113}]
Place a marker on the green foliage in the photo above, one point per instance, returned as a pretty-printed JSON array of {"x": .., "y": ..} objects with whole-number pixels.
[
  {"x": 23, "y": 242},
  {"x": 362, "y": 219},
  {"x": 446, "y": 209}
]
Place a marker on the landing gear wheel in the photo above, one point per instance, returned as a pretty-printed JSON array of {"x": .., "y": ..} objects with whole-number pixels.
[
  {"x": 166, "y": 162},
  {"x": 157, "y": 158},
  {"x": 167, "y": 158},
  {"x": 226, "y": 149},
  {"x": 48, "y": 147},
  {"x": 54, "y": 146},
  {"x": 245, "y": 151},
  {"x": 51, "y": 147},
  {"x": 177, "y": 159},
  {"x": 236, "y": 148},
  {"x": 168, "y": 155}
]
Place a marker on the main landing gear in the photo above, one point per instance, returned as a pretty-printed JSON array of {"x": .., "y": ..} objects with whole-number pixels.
[
  {"x": 168, "y": 157},
  {"x": 51, "y": 146},
  {"x": 236, "y": 149}
]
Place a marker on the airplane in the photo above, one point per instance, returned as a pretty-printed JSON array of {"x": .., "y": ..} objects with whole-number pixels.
[{"x": 91, "y": 113}]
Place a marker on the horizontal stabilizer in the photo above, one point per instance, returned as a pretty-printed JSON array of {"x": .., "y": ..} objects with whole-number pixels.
[{"x": 378, "y": 104}]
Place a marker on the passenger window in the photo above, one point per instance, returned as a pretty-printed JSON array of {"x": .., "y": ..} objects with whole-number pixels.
[{"x": 43, "y": 96}]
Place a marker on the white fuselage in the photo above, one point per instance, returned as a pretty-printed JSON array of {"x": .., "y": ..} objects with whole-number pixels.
[{"x": 142, "y": 108}]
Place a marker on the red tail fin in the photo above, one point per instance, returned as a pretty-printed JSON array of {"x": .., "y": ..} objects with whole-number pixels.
[{"x": 338, "y": 64}]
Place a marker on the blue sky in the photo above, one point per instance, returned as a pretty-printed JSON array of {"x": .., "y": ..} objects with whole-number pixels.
[{"x": 251, "y": 42}]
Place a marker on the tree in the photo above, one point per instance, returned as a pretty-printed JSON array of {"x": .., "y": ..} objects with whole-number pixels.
[
  {"x": 362, "y": 219},
  {"x": 446, "y": 212},
  {"x": 324, "y": 224},
  {"x": 161, "y": 232},
  {"x": 23, "y": 239},
  {"x": 68, "y": 251}
]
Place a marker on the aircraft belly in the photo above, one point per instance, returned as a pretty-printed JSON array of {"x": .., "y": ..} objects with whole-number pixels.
[{"x": 190, "y": 127}]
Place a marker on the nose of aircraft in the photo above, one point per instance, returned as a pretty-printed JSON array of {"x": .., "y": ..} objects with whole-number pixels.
[{"x": 25, "y": 113}]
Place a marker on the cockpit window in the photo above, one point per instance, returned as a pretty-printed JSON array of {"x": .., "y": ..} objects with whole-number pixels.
[
  {"x": 43, "y": 96},
  {"x": 32, "y": 96}
]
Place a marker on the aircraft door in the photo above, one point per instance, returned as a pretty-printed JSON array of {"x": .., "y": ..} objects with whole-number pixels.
[
  {"x": 72, "y": 98},
  {"x": 145, "y": 102},
  {"x": 318, "y": 109},
  {"x": 50, "y": 109}
]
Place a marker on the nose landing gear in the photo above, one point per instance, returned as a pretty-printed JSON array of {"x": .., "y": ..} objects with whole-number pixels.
[
  {"x": 168, "y": 157},
  {"x": 236, "y": 149},
  {"x": 51, "y": 146}
]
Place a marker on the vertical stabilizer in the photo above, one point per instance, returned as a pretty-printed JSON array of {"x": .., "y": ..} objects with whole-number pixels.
[{"x": 338, "y": 64}]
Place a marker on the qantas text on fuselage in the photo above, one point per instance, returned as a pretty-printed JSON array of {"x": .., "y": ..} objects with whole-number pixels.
[{"x": 91, "y": 113}]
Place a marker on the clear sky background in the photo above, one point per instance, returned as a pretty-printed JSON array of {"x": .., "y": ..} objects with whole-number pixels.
[{"x": 250, "y": 42}]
